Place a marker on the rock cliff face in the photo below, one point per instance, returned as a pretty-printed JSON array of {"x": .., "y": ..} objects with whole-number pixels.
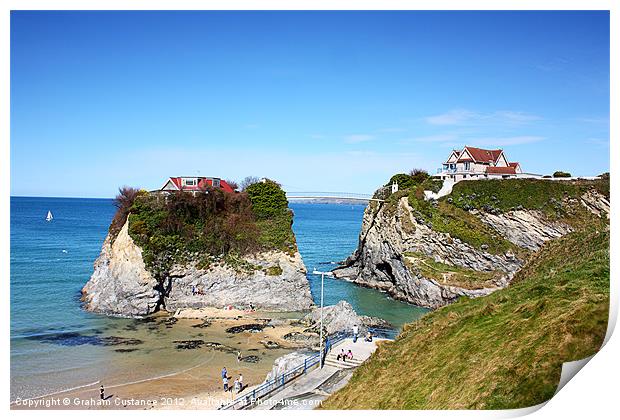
[
  {"x": 390, "y": 236},
  {"x": 341, "y": 318},
  {"x": 122, "y": 285}
]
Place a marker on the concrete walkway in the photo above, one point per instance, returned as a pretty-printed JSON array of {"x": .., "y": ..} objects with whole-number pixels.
[{"x": 307, "y": 391}]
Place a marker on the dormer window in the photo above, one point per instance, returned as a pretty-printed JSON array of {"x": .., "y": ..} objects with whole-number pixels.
[
  {"x": 216, "y": 182},
  {"x": 189, "y": 182}
]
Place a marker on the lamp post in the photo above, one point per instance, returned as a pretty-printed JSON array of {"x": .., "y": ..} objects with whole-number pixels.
[{"x": 321, "y": 323}]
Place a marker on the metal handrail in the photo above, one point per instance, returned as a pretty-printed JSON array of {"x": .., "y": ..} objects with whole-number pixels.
[
  {"x": 278, "y": 383},
  {"x": 272, "y": 385}
]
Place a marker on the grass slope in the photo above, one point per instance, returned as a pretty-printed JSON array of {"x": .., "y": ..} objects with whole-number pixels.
[{"x": 501, "y": 351}]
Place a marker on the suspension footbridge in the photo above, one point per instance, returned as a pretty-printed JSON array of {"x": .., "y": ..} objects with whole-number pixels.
[{"x": 329, "y": 195}]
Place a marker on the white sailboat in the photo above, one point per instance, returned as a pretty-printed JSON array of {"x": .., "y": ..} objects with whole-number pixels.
[{"x": 49, "y": 216}]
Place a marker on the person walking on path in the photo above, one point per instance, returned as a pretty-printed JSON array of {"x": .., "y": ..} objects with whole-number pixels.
[
  {"x": 355, "y": 333},
  {"x": 236, "y": 386},
  {"x": 224, "y": 372},
  {"x": 241, "y": 382},
  {"x": 225, "y": 381}
]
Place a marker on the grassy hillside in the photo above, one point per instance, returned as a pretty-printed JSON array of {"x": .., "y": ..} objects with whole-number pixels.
[
  {"x": 501, "y": 351},
  {"x": 502, "y": 195}
]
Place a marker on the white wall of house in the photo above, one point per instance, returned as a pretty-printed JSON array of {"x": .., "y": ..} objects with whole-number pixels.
[{"x": 502, "y": 161}]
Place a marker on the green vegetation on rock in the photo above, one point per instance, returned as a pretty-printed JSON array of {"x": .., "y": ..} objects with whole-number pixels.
[
  {"x": 499, "y": 196},
  {"x": 500, "y": 351},
  {"x": 210, "y": 226},
  {"x": 458, "y": 223},
  {"x": 450, "y": 275}
]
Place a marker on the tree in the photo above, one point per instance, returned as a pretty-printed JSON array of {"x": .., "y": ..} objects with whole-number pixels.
[
  {"x": 247, "y": 181},
  {"x": 123, "y": 202},
  {"x": 267, "y": 198},
  {"x": 404, "y": 181},
  {"x": 233, "y": 184},
  {"x": 418, "y": 175},
  {"x": 561, "y": 174}
]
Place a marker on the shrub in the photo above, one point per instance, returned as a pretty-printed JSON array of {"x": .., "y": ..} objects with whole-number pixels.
[
  {"x": 561, "y": 174},
  {"x": 404, "y": 181},
  {"x": 233, "y": 184},
  {"x": 432, "y": 184},
  {"x": 247, "y": 181},
  {"x": 268, "y": 199},
  {"x": 206, "y": 226},
  {"x": 418, "y": 175},
  {"x": 123, "y": 202}
]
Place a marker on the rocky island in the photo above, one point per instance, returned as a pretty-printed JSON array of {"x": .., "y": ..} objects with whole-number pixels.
[{"x": 192, "y": 250}]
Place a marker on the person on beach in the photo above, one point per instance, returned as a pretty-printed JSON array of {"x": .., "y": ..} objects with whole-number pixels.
[
  {"x": 224, "y": 372},
  {"x": 238, "y": 356},
  {"x": 355, "y": 333},
  {"x": 225, "y": 381},
  {"x": 241, "y": 382},
  {"x": 368, "y": 337},
  {"x": 102, "y": 392},
  {"x": 236, "y": 386}
]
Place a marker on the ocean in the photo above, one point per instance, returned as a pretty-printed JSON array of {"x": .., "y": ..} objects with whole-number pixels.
[{"x": 55, "y": 345}]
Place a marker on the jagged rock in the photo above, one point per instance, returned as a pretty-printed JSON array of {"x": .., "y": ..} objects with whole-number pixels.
[
  {"x": 188, "y": 344},
  {"x": 379, "y": 260},
  {"x": 302, "y": 339},
  {"x": 287, "y": 362},
  {"x": 221, "y": 285},
  {"x": 528, "y": 229},
  {"x": 270, "y": 344},
  {"x": 341, "y": 318},
  {"x": 121, "y": 285},
  {"x": 204, "y": 324},
  {"x": 247, "y": 327},
  {"x": 596, "y": 203}
]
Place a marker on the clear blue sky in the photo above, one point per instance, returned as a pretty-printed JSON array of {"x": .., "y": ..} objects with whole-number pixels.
[{"x": 320, "y": 101}]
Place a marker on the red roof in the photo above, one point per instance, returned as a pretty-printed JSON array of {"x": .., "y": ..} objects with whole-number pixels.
[
  {"x": 484, "y": 155},
  {"x": 203, "y": 183},
  {"x": 508, "y": 170},
  {"x": 513, "y": 164}
]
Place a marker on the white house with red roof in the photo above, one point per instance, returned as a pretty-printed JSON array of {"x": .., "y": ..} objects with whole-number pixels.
[
  {"x": 193, "y": 184},
  {"x": 476, "y": 163}
]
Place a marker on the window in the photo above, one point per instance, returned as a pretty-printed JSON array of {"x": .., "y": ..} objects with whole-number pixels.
[
  {"x": 189, "y": 182},
  {"x": 216, "y": 182},
  {"x": 467, "y": 166}
]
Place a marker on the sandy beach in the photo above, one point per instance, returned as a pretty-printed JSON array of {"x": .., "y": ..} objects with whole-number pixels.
[{"x": 202, "y": 341}]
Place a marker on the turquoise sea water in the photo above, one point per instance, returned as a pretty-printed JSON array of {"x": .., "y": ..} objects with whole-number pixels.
[{"x": 54, "y": 342}]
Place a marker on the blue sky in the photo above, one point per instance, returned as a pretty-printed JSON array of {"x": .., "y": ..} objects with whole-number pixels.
[{"x": 320, "y": 101}]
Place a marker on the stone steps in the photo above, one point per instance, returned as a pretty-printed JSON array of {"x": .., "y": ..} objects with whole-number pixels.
[{"x": 331, "y": 360}]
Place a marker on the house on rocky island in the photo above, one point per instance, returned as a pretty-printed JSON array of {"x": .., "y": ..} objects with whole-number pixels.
[
  {"x": 476, "y": 163},
  {"x": 194, "y": 184}
]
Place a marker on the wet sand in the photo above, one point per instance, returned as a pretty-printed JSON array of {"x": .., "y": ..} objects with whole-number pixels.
[{"x": 178, "y": 364}]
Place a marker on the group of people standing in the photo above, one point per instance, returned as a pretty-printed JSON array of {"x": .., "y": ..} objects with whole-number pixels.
[{"x": 237, "y": 385}]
